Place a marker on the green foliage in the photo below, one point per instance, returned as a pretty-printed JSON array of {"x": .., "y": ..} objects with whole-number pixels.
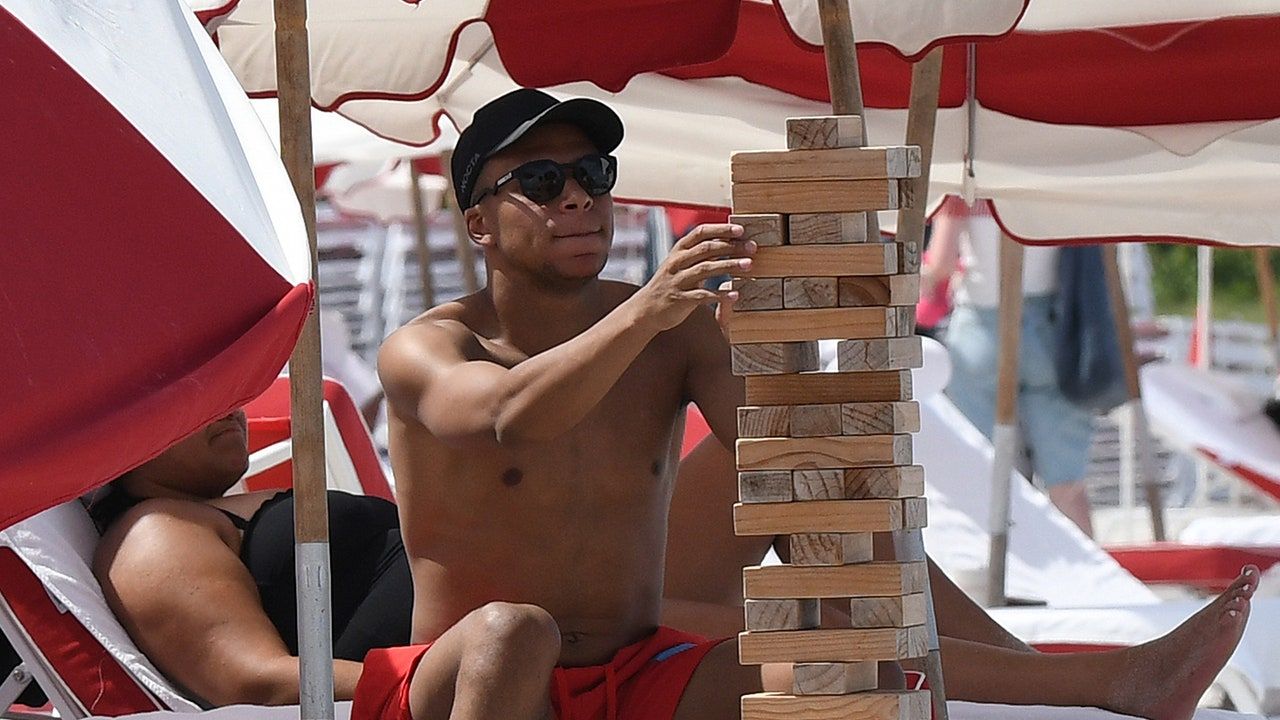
[{"x": 1235, "y": 281}]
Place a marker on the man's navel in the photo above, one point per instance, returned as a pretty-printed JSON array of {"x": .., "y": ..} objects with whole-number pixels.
[{"x": 512, "y": 477}]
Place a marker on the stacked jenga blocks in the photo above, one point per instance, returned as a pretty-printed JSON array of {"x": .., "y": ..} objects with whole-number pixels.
[{"x": 825, "y": 458}]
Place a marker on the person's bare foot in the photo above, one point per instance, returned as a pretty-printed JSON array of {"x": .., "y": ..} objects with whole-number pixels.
[{"x": 1164, "y": 679}]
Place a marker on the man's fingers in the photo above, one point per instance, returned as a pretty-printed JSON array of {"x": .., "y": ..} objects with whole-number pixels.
[
  {"x": 711, "y": 268},
  {"x": 708, "y": 231}
]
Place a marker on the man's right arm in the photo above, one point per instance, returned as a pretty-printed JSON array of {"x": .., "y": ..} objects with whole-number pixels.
[{"x": 430, "y": 375}]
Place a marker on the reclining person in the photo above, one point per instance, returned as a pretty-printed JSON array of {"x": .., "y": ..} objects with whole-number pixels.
[{"x": 533, "y": 434}]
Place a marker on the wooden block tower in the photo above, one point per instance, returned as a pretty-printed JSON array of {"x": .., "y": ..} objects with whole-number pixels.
[{"x": 826, "y": 457}]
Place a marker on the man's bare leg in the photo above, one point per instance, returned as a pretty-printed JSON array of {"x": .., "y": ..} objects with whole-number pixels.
[
  {"x": 1162, "y": 679},
  {"x": 495, "y": 663},
  {"x": 1072, "y": 499}
]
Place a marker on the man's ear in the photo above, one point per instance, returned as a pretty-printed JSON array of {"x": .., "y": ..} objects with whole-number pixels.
[{"x": 477, "y": 227}]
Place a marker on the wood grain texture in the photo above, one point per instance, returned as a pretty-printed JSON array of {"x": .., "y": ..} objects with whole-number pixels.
[
  {"x": 822, "y": 388},
  {"x": 757, "y": 294},
  {"x": 816, "y": 196},
  {"x": 873, "y": 579},
  {"x": 839, "y": 451},
  {"x": 809, "y": 548},
  {"x": 766, "y": 229},
  {"x": 799, "y": 293},
  {"x": 895, "y": 611},
  {"x": 879, "y": 418},
  {"x": 901, "y": 353},
  {"x": 895, "y": 161},
  {"x": 789, "y": 614},
  {"x": 826, "y": 228},
  {"x": 834, "y": 678},
  {"x": 827, "y": 645},
  {"x": 765, "y": 421},
  {"x": 867, "y": 291},
  {"x": 884, "y": 482},
  {"x": 822, "y": 516},
  {"x": 878, "y": 705},
  {"x": 850, "y": 259},
  {"x": 816, "y": 133},
  {"x": 774, "y": 358},
  {"x": 765, "y": 486},
  {"x": 818, "y": 324}
]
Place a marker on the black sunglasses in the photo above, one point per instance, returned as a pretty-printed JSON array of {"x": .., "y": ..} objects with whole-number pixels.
[{"x": 543, "y": 180}]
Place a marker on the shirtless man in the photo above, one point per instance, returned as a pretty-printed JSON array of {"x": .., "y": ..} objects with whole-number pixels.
[
  {"x": 533, "y": 429},
  {"x": 533, "y": 435}
]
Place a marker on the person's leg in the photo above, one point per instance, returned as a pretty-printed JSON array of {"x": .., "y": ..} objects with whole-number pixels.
[
  {"x": 495, "y": 663},
  {"x": 1072, "y": 499},
  {"x": 1162, "y": 679},
  {"x": 714, "y": 691},
  {"x": 384, "y": 616}
]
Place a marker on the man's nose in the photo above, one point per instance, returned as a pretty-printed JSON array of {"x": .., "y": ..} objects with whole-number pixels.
[{"x": 573, "y": 197}]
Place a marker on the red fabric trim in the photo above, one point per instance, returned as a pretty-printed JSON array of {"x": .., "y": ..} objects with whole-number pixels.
[
  {"x": 1106, "y": 239},
  {"x": 87, "y": 669},
  {"x": 695, "y": 429},
  {"x": 1264, "y": 483},
  {"x": 269, "y": 423},
  {"x": 1211, "y": 568}
]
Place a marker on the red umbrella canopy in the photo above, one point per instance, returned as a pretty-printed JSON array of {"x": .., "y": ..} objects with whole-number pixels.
[{"x": 155, "y": 261}]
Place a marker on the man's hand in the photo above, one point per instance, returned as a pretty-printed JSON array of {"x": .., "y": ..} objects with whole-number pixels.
[{"x": 678, "y": 286}]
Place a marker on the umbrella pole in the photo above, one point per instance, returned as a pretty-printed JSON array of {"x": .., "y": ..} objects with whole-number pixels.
[
  {"x": 1267, "y": 293},
  {"x": 420, "y": 232},
  {"x": 1204, "y": 307},
  {"x": 1005, "y": 434},
  {"x": 922, "y": 113},
  {"x": 846, "y": 99},
  {"x": 311, "y": 512},
  {"x": 1135, "y": 415},
  {"x": 462, "y": 242}
]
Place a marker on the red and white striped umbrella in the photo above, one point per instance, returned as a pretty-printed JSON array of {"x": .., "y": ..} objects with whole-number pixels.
[
  {"x": 155, "y": 258},
  {"x": 1092, "y": 120}
]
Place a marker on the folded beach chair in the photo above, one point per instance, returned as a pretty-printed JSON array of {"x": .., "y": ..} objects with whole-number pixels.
[{"x": 352, "y": 460}]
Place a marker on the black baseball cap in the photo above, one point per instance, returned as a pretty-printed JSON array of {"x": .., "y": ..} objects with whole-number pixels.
[{"x": 502, "y": 121}]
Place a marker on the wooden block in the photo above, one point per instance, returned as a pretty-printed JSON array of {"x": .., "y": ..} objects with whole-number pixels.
[
  {"x": 815, "y": 196},
  {"x": 824, "y": 260},
  {"x": 879, "y": 418},
  {"x": 815, "y": 420},
  {"x": 761, "y": 294},
  {"x": 789, "y": 614},
  {"x": 821, "y": 388},
  {"x": 835, "y": 678},
  {"x": 908, "y": 192},
  {"x": 840, "y": 645},
  {"x": 856, "y": 163},
  {"x": 839, "y": 451},
  {"x": 819, "y": 516},
  {"x": 764, "y": 421},
  {"x": 878, "y": 705},
  {"x": 817, "y": 324},
  {"x": 882, "y": 482},
  {"x": 816, "y": 133},
  {"x": 881, "y": 290},
  {"x": 765, "y": 228},
  {"x": 774, "y": 358},
  {"x": 830, "y": 548},
  {"x": 826, "y": 228},
  {"x": 799, "y": 293},
  {"x": 765, "y": 486},
  {"x": 897, "y": 611},
  {"x": 915, "y": 512},
  {"x": 880, "y": 354},
  {"x": 904, "y": 321},
  {"x": 818, "y": 484},
  {"x": 873, "y": 579},
  {"x": 909, "y": 257}
]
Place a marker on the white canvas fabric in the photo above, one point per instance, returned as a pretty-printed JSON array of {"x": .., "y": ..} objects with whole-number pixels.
[{"x": 58, "y": 546}]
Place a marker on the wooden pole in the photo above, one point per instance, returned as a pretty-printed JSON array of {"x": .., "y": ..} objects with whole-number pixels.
[
  {"x": 465, "y": 251},
  {"x": 922, "y": 113},
  {"x": 843, "y": 79},
  {"x": 1267, "y": 294},
  {"x": 1135, "y": 415},
  {"x": 1005, "y": 434},
  {"x": 311, "y": 512},
  {"x": 420, "y": 236}
]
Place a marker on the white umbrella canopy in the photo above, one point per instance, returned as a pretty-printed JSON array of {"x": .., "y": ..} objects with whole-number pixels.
[
  {"x": 1192, "y": 155},
  {"x": 155, "y": 272}
]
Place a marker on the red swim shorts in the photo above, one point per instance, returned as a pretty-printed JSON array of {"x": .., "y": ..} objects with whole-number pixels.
[{"x": 643, "y": 681}]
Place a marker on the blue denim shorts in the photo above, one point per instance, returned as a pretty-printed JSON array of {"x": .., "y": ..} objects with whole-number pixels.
[{"x": 1056, "y": 432}]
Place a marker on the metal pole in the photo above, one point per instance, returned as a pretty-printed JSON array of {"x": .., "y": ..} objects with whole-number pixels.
[
  {"x": 922, "y": 113},
  {"x": 1204, "y": 307},
  {"x": 420, "y": 232},
  {"x": 1135, "y": 416},
  {"x": 1005, "y": 434},
  {"x": 311, "y": 512}
]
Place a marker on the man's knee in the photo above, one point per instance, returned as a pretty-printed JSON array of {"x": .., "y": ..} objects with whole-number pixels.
[{"x": 521, "y": 631}]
